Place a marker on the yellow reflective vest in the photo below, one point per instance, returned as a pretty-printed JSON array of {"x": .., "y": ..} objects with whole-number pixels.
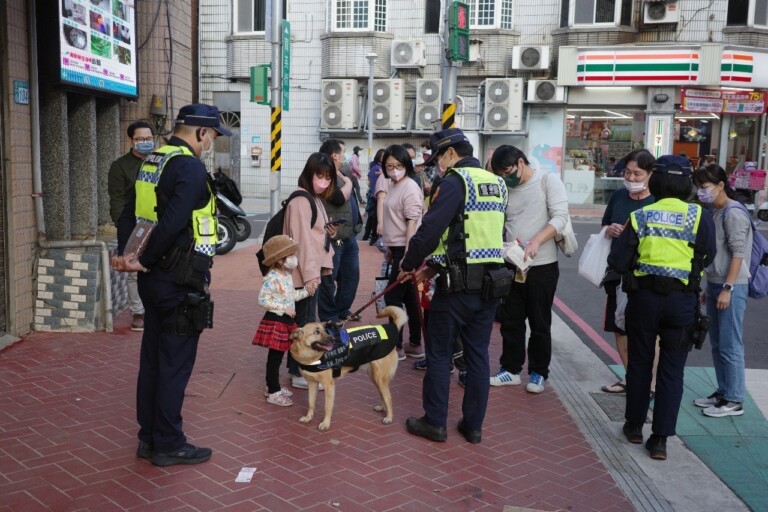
[
  {"x": 485, "y": 201},
  {"x": 203, "y": 221},
  {"x": 667, "y": 233}
]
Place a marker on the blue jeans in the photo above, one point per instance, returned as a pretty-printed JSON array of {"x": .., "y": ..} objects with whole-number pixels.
[
  {"x": 725, "y": 335},
  {"x": 337, "y": 292}
]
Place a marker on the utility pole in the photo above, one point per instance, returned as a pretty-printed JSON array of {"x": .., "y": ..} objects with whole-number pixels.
[
  {"x": 455, "y": 51},
  {"x": 371, "y": 62},
  {"x": 276, "y": 126}
]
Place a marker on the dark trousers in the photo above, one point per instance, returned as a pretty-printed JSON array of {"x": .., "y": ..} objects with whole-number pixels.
[
  {"x": 650, "y": 314},
  {"x": 306, "y": 312},
  {"x": 404, "y": 294},
  {"x": 531, "y": 300},
  {"x": 458, "y": 346},
  {"x": 337, "y": 291},
  {"x": 274, "y": 359},
  {"x": 165, "y": 363},
  {"x": 471, "y": 318},
  {"x": 370, "y": 223}
]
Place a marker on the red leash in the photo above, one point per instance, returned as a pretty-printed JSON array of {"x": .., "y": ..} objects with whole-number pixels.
[{"x": 381, "y": 294}]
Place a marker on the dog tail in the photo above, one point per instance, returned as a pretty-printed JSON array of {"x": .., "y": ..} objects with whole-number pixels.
[{"x": 397, "y": 315}]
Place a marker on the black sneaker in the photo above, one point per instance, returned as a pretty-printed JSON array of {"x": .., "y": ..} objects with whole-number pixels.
[
  {"x": 657, "y": 445},
  {"x": 634, "y": 434},
  {"x": 144, "y": 450},
  {"x": 420, "y": 427},
  {"x": 187, "y": 454}
]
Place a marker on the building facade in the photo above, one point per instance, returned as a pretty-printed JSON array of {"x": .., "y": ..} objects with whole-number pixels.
[
  {"x": 59, "y": 134},
  {"x": 575, "y": 83}
]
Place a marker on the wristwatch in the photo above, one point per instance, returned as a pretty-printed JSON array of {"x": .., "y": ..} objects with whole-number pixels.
[{"x": 728, "y": 287}]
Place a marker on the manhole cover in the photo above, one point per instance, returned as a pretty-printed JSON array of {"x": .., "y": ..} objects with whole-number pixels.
[{"x": 613, "y": 404}]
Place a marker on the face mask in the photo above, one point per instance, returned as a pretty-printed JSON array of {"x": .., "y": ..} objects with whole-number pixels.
[
  {"x": 320, "y": 184},
  {"x": 634, "y": 186},
  {"x": 706, "y": 196},
  {"x": 144, "y": 147},
  {"x": 205, "y": 152},
  {"x": 291, "y": 262},
  {"x": 396, "y": 174},
  {"x": 512, "y": 180}
]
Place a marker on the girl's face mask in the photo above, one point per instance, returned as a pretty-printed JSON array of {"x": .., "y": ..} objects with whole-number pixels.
[
  {"x": 320, "y": 184},
  {"x": 291, "y": 262}
]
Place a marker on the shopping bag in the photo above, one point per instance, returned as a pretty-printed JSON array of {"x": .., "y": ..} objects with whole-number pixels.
[
  {"x": 594, "y": 257},
  {"x": 379, "y": 286}
]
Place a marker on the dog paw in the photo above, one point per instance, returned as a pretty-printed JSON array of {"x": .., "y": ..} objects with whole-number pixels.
[
  {"x": 305, "y": 419},
  {"x": 324, "y": 426},
  {"x": 387, "y": 421}
]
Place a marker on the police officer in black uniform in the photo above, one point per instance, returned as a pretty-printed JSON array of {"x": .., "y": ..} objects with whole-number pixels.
[
  {"x": 173, "y": 194},
  {"x": 661, "y": 254},
  {"x": 462, "y": 235}
]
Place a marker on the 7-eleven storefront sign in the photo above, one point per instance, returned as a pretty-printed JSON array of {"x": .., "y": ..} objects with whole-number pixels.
[{"x": 638, "y": 67}]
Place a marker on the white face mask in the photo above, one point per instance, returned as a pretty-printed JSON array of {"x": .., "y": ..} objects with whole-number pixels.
[
  {"x": 634, "y": 187},
  {"x": 396, "y": 174},
  {"x": 205, "y": 152},
  {"x": 291, "y": 262}
]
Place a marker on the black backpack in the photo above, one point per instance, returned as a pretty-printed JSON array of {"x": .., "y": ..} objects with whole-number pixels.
[{"x": 276, "y": 223}]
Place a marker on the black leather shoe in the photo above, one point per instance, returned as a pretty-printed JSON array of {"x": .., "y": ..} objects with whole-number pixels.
[
  {"x": 634, "y": 434},
  {"x": 472, "y": 436},
  {"x": 420, "y": 427},
  {"x": 187, "y": 454},
  {"x": 144, "y": 450},
  {"x": 657, "y": 445}
]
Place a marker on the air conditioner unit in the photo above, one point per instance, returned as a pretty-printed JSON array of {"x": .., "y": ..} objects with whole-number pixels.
[
  {"x": 388, "y": 104},
  {"x": 407, "y": 53},
  {"x": 545, "y": 91},
  {"x": 530, "y": 57},
  {"x": 428, "y": 104},
  {"x": 660, "y": 12},
  {"x": 339, "y": 104},
  {"x": 503, "y": 104}
]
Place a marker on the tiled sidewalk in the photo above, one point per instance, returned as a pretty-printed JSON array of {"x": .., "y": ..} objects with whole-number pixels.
[{"x": 68, "y": 433}]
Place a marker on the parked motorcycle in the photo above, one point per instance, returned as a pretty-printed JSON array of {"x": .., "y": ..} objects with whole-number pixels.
[{"x": 227, "y": 235}]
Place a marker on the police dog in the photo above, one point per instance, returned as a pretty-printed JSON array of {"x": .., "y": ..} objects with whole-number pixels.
[{"x": 323, "y": 358}]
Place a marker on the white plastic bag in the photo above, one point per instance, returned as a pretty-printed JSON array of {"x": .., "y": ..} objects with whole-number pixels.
[
  {"x": 621, "y": 306},
  {"x": 594, "y": 257}
]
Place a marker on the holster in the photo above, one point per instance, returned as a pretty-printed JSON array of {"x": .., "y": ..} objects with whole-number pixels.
[
  {"x": 192, "y": 269},
  {"x": 194, "y": 314},
  {"x": 497, "y": 283}
]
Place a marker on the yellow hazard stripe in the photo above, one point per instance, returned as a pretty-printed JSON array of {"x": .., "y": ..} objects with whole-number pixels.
[
  {"x": 275, "y": 137},
  {"x": 449, "y": 115}
]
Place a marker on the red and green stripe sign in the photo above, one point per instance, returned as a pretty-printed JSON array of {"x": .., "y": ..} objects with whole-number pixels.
[
  {"x": 637, "y": 67},
  {"x": 736, "y": 68}
]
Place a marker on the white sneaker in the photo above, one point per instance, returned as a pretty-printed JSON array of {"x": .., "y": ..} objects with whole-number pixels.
[
  {"x": 300, "y": 382},
  {"x": 709, "y": 401},
  {"x": 279, "y": 399},
  {"x": 284, "y": 391},
  {"x": 724, "y": 408},
  {"x": 535, "y": 383},
  {"x": 504, "y": 378}
]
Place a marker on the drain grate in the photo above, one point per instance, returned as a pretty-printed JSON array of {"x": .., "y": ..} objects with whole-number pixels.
[{"x": 613, "y": 404}]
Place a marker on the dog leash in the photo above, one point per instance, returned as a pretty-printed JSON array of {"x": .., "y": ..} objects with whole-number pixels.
[{"x": 377, "y": 297}]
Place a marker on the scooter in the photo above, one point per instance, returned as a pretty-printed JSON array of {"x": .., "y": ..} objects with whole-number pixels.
[
  {"x": 235, "y": 214},
  {"x": 226, "y": 233}
]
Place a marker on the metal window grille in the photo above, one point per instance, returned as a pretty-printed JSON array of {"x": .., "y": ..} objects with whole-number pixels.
[
  {"x": 380, "y": 16},
  {"x": 506, "y": 14},
  {"x": 482, "y": 12}
]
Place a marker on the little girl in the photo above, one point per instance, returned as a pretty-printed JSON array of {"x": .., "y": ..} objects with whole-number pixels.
[{"x": 278, "y": 297}]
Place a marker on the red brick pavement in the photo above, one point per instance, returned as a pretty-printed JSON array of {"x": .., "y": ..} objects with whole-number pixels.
[{"x": 68, "y": 433}]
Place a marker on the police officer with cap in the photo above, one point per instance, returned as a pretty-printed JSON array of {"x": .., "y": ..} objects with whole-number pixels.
[
  {"x": 662, "y": 253},
  {"x": 461, "y": 239},
  {"x": 174, "y": 195}
]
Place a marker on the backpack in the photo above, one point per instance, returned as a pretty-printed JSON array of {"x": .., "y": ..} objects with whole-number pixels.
[
  {"x": 758, "y": 265},
  {"x": 275, "y": 225}
]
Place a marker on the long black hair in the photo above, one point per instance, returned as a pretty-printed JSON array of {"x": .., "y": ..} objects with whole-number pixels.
[{"x": 318, "y": 164}]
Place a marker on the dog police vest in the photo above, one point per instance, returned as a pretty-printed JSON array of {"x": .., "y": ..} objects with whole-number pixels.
[
  {"x": 356, "y": 347},
  {"x": 204, "y": 227},
  {"x": 667, "y": 233}
]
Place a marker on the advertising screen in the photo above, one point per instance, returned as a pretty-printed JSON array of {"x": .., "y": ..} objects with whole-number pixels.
[{"x": 98, "y": 45}]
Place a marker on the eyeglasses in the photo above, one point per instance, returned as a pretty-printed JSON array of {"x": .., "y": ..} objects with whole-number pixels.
[
  {"x": 396, "y": 167},
  {"x": 147, "y": 139}
]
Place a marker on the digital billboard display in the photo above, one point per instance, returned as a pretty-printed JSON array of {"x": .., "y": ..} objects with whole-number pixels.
[{"x": 98, "y": 45}]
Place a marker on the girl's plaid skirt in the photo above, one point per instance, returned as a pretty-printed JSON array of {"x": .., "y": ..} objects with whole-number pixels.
[{"x": 274, "y": 332}]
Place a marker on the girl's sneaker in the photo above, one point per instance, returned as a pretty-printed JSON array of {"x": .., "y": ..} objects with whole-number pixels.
[
  {"x": 279, "y": 399},
  {"x": 286, "y": 392}
]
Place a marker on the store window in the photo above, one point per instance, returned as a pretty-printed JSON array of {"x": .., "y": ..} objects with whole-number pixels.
[
  {"x": 742, "y": 13},
  {"x": 596, "y": 139},
  {"x": 362, "y": 15},
  {"x": 596, "y": 12}
]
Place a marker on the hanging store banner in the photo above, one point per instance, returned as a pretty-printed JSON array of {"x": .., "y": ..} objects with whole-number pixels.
[
  {"x": 747, "y": 103},
  {"x": 638, "y": 67}
]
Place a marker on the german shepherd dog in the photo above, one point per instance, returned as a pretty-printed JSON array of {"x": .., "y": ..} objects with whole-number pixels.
[{"x": 323, "y": 358}]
